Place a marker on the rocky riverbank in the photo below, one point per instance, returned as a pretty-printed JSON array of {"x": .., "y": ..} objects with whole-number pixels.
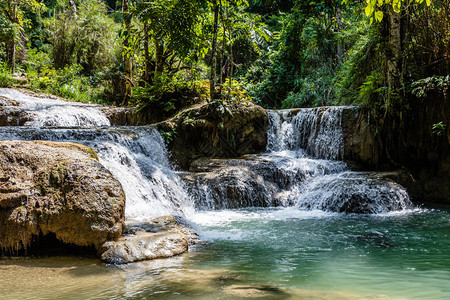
[
  {"x": 58, "y": 188},
  {"x": 61, "y": 189}
]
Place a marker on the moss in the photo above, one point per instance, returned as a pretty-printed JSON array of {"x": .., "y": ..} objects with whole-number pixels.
[{"x": 92, "y": 153}]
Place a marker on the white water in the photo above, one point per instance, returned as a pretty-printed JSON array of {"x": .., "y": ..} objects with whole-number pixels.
[
  {"x": 152, "y": 189},
  {"x": 46, "y": 112},
  {"x": 136, "y": 156},
  {"x": 318, "y": 132},
  {"x": 300, "y": 169}
]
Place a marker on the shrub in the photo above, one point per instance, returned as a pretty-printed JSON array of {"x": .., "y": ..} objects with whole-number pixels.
[{"x": 5, "y": 76}]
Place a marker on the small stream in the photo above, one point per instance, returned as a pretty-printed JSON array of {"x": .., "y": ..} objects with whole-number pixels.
[{"x": 291, "y": 240}]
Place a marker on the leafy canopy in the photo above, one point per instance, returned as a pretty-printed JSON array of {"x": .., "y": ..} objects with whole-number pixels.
[{"x": 374, "y": 8}]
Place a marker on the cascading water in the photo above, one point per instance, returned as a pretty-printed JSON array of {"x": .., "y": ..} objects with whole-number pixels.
[
  {"x": 306, "y": 250},
  {"x": 300, "y": 168},
  {"x": 136, "y": 156},
  {"x": 318, "y": 132},
  {"x": 46, "y": 112}
]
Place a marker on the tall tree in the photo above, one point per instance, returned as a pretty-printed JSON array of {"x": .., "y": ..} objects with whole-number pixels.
[
  {"x": 171, "y": 26},
  {"x": 375, "y": 10},
  {"x": 13, "y": 11},
  {"x": 127, "y": 51},
  {"x": 212, "y": 80}
]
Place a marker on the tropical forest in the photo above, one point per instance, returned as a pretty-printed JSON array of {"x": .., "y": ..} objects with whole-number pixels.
[{"x": 225, "y": 149}]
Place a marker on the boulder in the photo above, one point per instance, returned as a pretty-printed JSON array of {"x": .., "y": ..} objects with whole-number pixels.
[
  {"x": 251, "y": 181},
  {"x": 60, "y": 189},
  {"x": 158, "y": 238},
  {"x": 216, "y": 130},
  {"x": 255, "y": 292},
  {"x": 356, "y": 193},
  {"x": 10, "y": 113},
  {"x": 407, "y": 139},
  {"x": 123, "y": 116}
]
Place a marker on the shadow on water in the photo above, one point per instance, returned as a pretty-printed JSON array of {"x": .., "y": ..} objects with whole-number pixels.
[{"x": 48, "y": 245}]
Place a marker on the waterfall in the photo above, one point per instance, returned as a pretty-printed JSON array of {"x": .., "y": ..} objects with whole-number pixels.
[
  {"x": 318, "y": 131},
  {"x": 136, "y": 156},
  {"x": 302, "y": 167},
  {"x": 53, "y": 112}
]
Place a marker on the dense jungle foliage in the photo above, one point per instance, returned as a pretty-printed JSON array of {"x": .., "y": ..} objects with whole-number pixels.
[{"x": 278, "y": 53}]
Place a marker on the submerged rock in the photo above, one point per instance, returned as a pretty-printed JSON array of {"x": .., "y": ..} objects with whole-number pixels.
[
  {"x": 256, "y": 291},
  {"x": 158, "y": 238},
  {"x": 60, "y": 188}
]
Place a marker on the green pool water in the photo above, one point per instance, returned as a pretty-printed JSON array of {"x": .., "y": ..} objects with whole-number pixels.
[{"x": 264, "y": 254}]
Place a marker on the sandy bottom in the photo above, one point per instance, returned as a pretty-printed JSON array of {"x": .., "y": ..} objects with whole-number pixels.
[{"x": 75, "y": 278}]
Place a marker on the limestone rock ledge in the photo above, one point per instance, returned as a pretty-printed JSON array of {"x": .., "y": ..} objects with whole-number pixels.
[
  {"x": 59, "y": 188},
  {"x": 216, "y": 130},
  {"x": 158, "y": 238},
  {"x": 11, "y": 114}
]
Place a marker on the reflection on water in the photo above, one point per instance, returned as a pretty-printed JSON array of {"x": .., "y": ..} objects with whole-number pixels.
[{"x": 265, "y": 254}]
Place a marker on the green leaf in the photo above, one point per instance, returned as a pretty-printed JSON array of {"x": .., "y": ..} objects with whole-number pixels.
[
  {"x": 397, "y": 5},
  {"x": 379, "y": 16},
  {"x": 368, "y": 10}
]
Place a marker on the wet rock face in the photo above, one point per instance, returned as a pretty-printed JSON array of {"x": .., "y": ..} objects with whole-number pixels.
[
  {"x": 11, "y": 114},
  {"x": 358, "y": 193},
  {"x": 123, "y": 116},
  {"x": 362, "y": 143},
  {"x": 216, "y": 130},
  {"x": 235, "y": 183},
  {"x": 158, "y": 238},
  {"x": 263, "y": 180},
  {"x": 60, "y": 188}
]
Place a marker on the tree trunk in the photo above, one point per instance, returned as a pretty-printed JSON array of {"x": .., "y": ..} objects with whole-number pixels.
[
  {"x": 212, "y": 80},
  {"x": 222, "y": 54},
  {"x": 159, "y": 56},
  {"x": 230, "y": 34},
  {"x": 11, "y": 43},
  {"x": 339, "y": 27},
  {"x": 126, "y": 53},
  {"x": 147, "y": 74},
  {"x": 231, "y": 59},
  {"x": 394, "y": 60},
  {"x": 11, "y": 53}
]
